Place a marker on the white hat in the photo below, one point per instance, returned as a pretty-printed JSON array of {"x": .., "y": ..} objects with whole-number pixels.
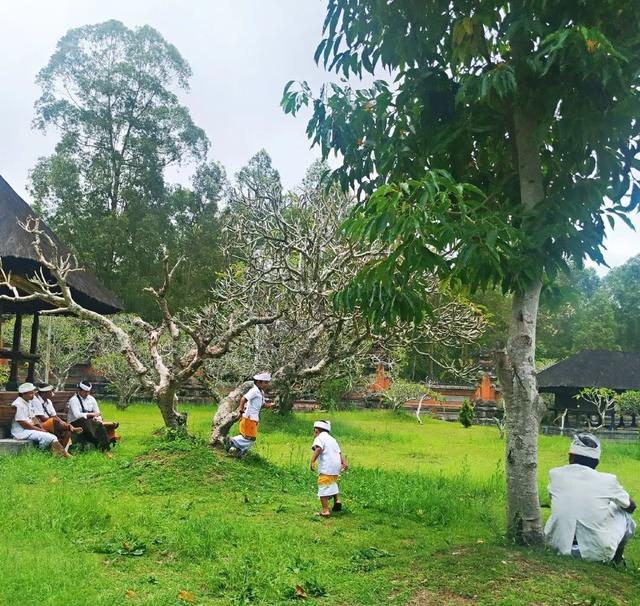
[
  {"x": 84, "y": 385},
  {"x": 263, "y": 376},
  {"x": 26, "y": 388},
  {"x": 44, "y": 387},
  {"x": 326, "y": 425},
  {"x": 586, "y": 445}
]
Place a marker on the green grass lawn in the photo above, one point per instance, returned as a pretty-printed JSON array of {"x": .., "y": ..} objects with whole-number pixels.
[{"x": 172, "y": 522}]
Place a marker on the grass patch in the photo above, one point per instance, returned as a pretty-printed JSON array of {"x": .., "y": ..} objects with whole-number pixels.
[{"x": 172, "y": 522}]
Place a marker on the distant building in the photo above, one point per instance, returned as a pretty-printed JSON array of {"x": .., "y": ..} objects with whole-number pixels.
[
  {"x": 19, "y": 259},
  {"x": 616, "y": 370}
]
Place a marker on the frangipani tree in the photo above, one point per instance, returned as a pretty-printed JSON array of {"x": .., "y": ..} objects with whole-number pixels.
[
  {"x": 496, "y": 155},
  {"x": 293, "y": 243},
  {"x": 175, "y": 348}
]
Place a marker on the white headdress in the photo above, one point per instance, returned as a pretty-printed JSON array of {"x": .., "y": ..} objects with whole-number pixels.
[
  {"x": 326, "y": 425},
  {"x": 263, "y": 376},
  {"x": 586, "y": 445},
  {"x": 85, "y": 385},
  {"x": 26, "y": 388}
]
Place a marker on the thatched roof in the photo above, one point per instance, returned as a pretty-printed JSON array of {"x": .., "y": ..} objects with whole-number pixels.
[
  {"x": 18, "y": 257},
  {"x": 618, "y": 370}
]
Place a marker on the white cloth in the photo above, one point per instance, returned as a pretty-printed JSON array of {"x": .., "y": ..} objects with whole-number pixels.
[
  {"x": 42, "y": 438},
  {"x": 329, "y": 461},
  {"x": 24, "y": 412},
  {"x": 242, "y": 443},
  {"x": 43, "y": 407},
  {"x": 79, "y": 407},
  {"x": 255, "y": 401},
  {"x": 587, "y": 504},
  {"x": 263, "y": 376},
  {"x": 328, "y": 490}
]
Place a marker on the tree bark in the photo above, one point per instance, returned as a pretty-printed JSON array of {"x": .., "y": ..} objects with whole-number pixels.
[
  {"x": 227, "y": 414},
  {"x": 523, "y": 409},
  {"x": 167, "y": 404},
  {"x": 518, "y": 376}
]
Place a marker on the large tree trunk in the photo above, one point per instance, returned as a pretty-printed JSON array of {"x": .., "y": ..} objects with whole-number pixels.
[
  {"x": 518, "y": 377},
  {"x": 227, "y": 414},
  {"x": 523, "y": 409},
  {"x": 167, "y": 404}
]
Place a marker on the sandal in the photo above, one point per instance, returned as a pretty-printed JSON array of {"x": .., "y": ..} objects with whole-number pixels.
[
  {"x": 322, "y": 514},
  {"x": 337, "y": 506}
]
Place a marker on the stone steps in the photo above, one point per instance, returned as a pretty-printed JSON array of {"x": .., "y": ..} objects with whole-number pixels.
[{"x": 9, "y": 446}]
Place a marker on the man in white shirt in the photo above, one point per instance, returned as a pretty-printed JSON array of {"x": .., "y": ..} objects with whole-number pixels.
[
  {"x": 25, "y": 425},
  {"x": 47, "y": 416},
  {"x": 328, "y": 456},
  {"x": 83, "y": 412},
  {"x": 249, "y": 410},
  {"x": 590, "y": 510}
]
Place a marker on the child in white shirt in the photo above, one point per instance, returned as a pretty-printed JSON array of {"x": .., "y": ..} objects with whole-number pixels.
[{"x": 328, "y": 456}]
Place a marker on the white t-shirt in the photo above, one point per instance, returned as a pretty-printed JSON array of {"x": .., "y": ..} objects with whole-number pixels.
[
  {"x": 78, "y": 407},
  {"x": 587, "y": 504},
  {"x": 43, "y": 407},
  {"x": 255, "y": 400},
  {"x": 24, "y": 412},
  {"x": 329, "y": 459}
]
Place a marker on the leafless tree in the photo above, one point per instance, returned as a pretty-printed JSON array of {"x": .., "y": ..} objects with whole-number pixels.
[
  {"x": 293, "y": 244},
  {"x": 186, "y": 341}
]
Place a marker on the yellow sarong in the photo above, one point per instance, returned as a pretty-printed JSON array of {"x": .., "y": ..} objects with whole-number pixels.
[
  {"x": 325, "y": 480},
  {"x": 248, "y": 428}
]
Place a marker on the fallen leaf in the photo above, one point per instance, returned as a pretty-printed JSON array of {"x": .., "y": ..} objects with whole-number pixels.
[
  {"x": 301, "y": 594},
  {"x": 185, "y": 595},
  {"x": 129, "y": 594},
  {"x": 480, "y": 541}
]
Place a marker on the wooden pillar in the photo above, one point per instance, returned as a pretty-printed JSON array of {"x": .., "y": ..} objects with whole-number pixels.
[
  {"x": 35, "y": 328},
  {"x": 12, "y": 385}
]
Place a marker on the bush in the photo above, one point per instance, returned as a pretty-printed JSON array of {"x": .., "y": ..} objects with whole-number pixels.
[
  {"x": 466, "y": 414},
  {"x": 332, "y": 392},
  {"x": 4, "y": 374},
  {"x": 400, "y": 391}
]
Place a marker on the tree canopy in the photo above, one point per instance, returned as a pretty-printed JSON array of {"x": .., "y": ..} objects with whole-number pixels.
[
  {"x": 111, "y": 94},
  {"x": 501, "y": 147}
]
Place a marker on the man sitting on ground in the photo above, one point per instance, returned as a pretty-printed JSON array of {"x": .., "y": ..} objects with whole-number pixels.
[
  {"x": 590, "y": 511},
  {"x": 47, "y": 415},
  {"x": 25, "y": 426},
  {"x": 84, "y": 413}
]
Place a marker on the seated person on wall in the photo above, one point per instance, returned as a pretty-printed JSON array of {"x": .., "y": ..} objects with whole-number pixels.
[
  {"x": 84, "y": 413},
  {"x": 25, "y": 426},
  {"x": 590, "y": 511},
  {"x": 48, "y": 417}
]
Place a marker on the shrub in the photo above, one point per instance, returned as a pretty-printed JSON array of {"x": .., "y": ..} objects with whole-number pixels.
[
  {"x": 400, "y": 391},
  {"x": 332, "y": 392},
  {"x": 466, "y": 414},
  {"x": 4, "y": 374}
]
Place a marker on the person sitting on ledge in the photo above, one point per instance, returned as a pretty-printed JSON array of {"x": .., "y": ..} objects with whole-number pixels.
[
  {"x": 590, "y": 510},
  {"x": 48, "y": 417},
  {"x": 84, "y": 413},
  {"x": 25, "y": 426}
]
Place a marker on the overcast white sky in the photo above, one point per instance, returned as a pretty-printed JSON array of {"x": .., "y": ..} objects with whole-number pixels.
[{"x": 242, "y": 52}]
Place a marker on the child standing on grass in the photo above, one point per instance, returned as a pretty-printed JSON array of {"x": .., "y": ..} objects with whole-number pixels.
[{"x": 327, "y": 454}]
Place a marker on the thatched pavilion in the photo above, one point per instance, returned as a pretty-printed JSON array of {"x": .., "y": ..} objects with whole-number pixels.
[
  {"x": 616, "y": 370},
  {"x": 18, "y": 257}
]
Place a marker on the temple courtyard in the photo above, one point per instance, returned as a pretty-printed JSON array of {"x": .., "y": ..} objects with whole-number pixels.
[{"x": 173, "y": 522}]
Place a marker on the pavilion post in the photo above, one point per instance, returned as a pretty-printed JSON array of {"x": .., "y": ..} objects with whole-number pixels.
[
  {"x": 35, "y": 328},
  {"x": 12, "y": 384}
]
